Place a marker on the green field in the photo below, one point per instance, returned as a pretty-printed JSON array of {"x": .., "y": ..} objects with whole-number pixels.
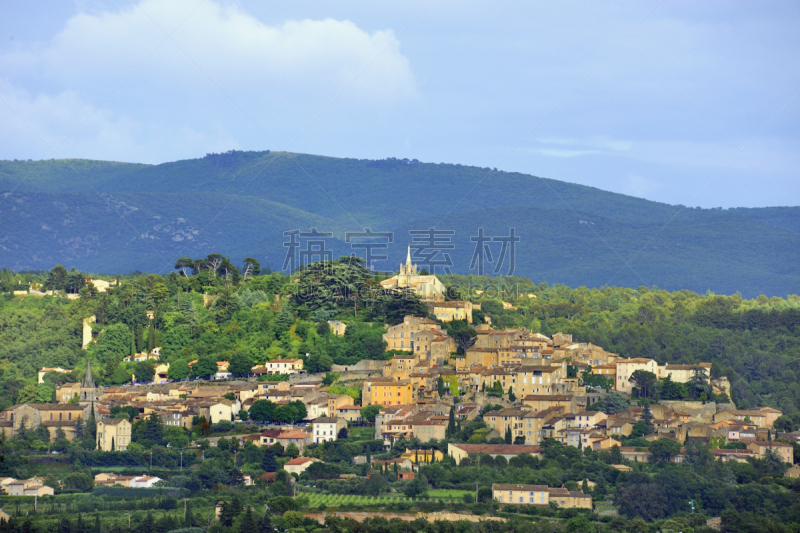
[{"x": 449, "y": 494}]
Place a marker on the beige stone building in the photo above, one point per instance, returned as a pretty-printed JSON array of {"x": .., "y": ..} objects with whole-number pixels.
[
  {"x": 113, "y": 434},
  {"x": 626, "y": 368},
  {"x": 454, "y": 310},
  {"x": 403, "y": 336},
  {"x": 426, "y": 430},
  {"x": 284, "y": 366},
  {"x": 299, "y": 465},
  {"x": 540, "y": 495}
]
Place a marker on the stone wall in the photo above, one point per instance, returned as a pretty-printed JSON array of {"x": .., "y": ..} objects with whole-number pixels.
[
  {"x": 365, "y": 365},
  {"x": 697, "y": 410}
]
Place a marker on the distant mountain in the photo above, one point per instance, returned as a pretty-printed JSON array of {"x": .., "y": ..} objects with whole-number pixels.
[{"x": 109, "y": 217}]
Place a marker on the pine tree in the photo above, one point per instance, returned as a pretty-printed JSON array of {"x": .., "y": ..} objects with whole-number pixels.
[
  {"x": 265, "y": 524},
  {"x": 268, "y": 461},
  {"x": 97, "y": 527},
  {"x": 147, "y": 525},
  {"x": 64, "y": 526},
  {"x": 133, "y": 344},
  {"x": 247, "y": 524},
  {"x": 227, "y": 514}
]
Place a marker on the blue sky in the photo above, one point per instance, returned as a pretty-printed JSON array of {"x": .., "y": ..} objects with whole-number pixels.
[{"x": 682, "y": 102}]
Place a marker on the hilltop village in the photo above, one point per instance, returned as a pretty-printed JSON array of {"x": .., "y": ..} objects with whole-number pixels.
[{"x": 560, "y": 423}]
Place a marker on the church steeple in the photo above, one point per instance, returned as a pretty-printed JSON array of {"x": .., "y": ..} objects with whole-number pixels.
[
  {"x": 88, "y": 382},
  {"x": 408, "y": 258}
]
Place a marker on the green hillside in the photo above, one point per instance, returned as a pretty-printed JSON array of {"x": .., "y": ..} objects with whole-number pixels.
[{"x": 116, "y": 217}]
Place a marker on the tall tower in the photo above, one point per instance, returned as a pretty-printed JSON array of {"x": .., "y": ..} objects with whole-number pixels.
[{"x": 88, "y": 387}]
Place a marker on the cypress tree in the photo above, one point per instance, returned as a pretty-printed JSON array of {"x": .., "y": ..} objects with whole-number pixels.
[
  {"x": 508, "y": 435},
  {"x": 451, "y": 423},
  {"x": 151, "y": 337},
  {"x": 140, "y": 341}
]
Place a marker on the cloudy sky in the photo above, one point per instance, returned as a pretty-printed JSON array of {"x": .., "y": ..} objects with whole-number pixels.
[{"x": 692, "y": 103}]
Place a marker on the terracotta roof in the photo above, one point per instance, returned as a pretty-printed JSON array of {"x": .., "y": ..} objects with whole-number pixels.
[
  {"x": 300, "y": 461},
  {"x": 293, "y": 434}
]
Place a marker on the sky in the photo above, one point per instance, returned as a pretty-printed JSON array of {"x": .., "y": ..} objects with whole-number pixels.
[{"x": 692, "y": 103}]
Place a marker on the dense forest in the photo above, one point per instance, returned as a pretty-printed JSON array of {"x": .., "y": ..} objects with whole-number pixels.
[
  {"x": 249, "y": 317},
  {"x": 116, "y": 217}
]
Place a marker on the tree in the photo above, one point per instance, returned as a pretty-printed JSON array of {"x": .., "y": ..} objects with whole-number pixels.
[
  {"x": 647, "y": 416},
  {"x": 784, "y": 424},
  {"x": 205, "y": 367},
  {"x": 511, "y": 396},
  {"x": 179, "y": 370},
  {"x": 664, "y": 449},
  {"x": 268, "y": 461},
  {"x": 248, "y": 523},
  {"x": 251, "y": 268},
  {"x": 640, "y": 429},
  {"x": 615, "y": 455},
  {"x": 262, "y": 411},
  {"x": 671, "y": 390},
  {"x": 698, "y": 383},
  {"x": 440, "y": 386},
  {"x": 183, "y": 264},
  {"x": 368, "y": 413},
  {"x": 292, "y": 450},
  {"x": 462, "y": 333},
  {"x": 264, "y": 525},
  {"x": 508, "y": 438},
  {"x": 144, "y": 371},
  {"x": 75, "y": 281},
  {"x": 451, "y": 423},
  {"x": 230, "y": 510},
  {"x": 240, "y": 364},
  {"x": 28, "y": 394},
  {"x": 645, "y": 382},
  {"x": 612, "y": 403},
  {"x": 56, "y": 279}
]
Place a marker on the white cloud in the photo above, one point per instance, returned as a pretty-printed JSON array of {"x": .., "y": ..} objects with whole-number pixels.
[{"x": 279, "y": 76}]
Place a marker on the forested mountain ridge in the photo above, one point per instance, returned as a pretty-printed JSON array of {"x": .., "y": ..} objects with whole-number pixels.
[{"x": 116, "y": 217}]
